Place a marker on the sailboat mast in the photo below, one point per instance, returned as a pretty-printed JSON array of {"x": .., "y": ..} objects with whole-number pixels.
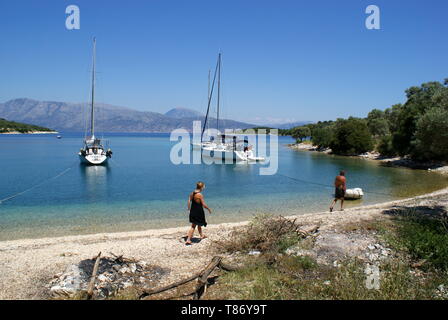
[
  {"x": 92, "y": 123},
  {"x": 219, "y": 92},
  {"x": 208, "y": 95},
  {"x": 209, "y": 101}
]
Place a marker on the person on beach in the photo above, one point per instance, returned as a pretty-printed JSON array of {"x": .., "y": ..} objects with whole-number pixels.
[
  {"x": 339, "y": 191},
  {"x": 196, "y": 205}
]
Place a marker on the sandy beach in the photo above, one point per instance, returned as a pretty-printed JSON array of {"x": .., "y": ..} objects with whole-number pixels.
[{"x": 28, "y": 265}]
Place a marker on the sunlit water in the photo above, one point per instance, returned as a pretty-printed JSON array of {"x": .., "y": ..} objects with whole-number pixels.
[{"x": 142, "y": 189}]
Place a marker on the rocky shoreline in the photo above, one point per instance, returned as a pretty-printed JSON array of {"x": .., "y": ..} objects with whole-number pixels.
[{"x": 404, "y": 162}]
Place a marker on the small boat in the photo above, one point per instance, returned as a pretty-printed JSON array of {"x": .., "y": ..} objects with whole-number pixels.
[
  {"x": 59, "y": 137},
  {"x": 354, "y": 194},
  {"x": 93, "y": 152},
  {"x": 227, "y": 146}
]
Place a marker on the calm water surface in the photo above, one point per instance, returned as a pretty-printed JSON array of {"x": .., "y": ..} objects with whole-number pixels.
[{"x": 142, "y": 189}]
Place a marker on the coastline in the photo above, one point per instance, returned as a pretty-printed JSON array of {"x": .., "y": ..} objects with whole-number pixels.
[
  {"x": 401, "y": 162},
  {"x": 32, "y": 132},
  {"x": 29, "y": 264}
]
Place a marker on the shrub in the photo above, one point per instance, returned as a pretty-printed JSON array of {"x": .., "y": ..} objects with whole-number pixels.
[{"x": 265, "y": 233}]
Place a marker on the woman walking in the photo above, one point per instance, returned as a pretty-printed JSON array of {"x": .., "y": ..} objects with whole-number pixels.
[{"x": 196, "y": 205}]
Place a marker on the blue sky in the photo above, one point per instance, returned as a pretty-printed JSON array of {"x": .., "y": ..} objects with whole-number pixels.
[{"x": 282, "y": 60}]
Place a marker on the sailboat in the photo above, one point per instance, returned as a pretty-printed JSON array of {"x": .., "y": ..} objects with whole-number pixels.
[
  {"x": 226, "y": 146},
  {"x": 93, "y": 151}
]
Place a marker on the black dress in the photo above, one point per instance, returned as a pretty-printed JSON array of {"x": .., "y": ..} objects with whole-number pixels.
[{"x": 197, "y": 215}]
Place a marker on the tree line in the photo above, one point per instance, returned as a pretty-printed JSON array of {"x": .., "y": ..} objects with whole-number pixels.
[
  {"x": 418, "y": 128},
  {"x": 11, "y": 126}
]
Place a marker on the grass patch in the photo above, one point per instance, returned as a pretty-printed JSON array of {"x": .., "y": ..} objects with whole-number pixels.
[
  {"x": 303, "y": 279},
  {"x": 423, "y": 237},
  {"x": 289, "y": 277}
]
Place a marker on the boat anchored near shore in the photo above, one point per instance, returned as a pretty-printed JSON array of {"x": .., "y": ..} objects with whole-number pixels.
[
  {"x": 226, "y": 146},
  {"x": 93, "y": 151}
]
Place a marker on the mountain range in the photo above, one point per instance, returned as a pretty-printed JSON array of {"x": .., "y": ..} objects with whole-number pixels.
[{"x": 72, "y": 117}]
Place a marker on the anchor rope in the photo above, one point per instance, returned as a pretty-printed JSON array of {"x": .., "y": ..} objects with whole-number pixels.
[
  {"x": 326, "y": 185},
  {"x": 37, "y": 185}
]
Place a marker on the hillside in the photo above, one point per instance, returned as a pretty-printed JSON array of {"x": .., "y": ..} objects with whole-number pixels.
[
  {"x": 183, "y": 113},
  {"x": 11, "y": 126},
  {"x": 63, "y": 116}
]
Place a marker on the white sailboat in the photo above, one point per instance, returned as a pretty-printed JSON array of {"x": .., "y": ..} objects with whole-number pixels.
[
  {"x": 226, "y": 146},
  {"x": 93, "y": 151}
]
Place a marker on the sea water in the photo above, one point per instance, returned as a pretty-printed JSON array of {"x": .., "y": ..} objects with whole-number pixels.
[{"x": 141, "y": 189}]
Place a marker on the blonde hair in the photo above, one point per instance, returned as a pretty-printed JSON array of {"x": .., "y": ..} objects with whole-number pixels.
[{"x": 200, "y": 185}]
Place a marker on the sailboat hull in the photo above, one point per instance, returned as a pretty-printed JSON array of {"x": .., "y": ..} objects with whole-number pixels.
[
  {"x": 93, "y": 159},
  {"x": 230, "y": 155}
]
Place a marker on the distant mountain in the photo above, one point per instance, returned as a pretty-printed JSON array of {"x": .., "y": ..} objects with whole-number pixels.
[
  {"x": 288, "y": 125},
  {"x": 179, "y": 113},
  {"x": 64, "y": 116}
]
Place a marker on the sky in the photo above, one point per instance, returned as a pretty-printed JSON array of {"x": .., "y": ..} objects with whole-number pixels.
[{"x": 282, "y": 60}]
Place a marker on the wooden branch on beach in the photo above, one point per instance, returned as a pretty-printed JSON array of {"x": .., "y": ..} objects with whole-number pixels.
[
  {"x": 305, "y": 232},
  {"x": 202, "y": 279},
  {"x": 93, "y": 278},
  {"x": 170, "y": 286},
  {"x": 201, "y": 276},
  {"x": 227, "y": 267}
]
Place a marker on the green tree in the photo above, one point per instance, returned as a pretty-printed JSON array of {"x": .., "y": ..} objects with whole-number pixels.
[
  {"x": 431, "y": 137},
  {"x": 351, "y": 137},
  {"x": 385, "y": 147},
  {"x": 322, "y": 137},
  {"x": 419, "y": 100},
  {"x": 377, "y": 123},
  {"x": 301, "y": 133}
]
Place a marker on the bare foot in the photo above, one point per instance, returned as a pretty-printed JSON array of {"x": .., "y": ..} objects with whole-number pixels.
[
  {"x": 188, "y": 243},
  {"x": 203, "y": 237}
]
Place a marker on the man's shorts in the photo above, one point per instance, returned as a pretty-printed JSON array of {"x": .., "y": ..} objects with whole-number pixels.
[{"x": 339, "y": 193}]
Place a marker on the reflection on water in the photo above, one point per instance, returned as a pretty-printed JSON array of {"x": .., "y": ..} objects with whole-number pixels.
[{"x": 95, "y": 180}]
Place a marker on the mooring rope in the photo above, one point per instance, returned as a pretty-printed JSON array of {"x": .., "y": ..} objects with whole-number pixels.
[
  {"x": 326, "y": 185},
  {"x": 37, "y": 185}
]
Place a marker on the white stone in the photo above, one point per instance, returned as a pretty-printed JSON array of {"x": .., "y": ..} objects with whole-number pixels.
[
  {"x": 124, "y": 270},
  {"x": 102, "y": 278}
]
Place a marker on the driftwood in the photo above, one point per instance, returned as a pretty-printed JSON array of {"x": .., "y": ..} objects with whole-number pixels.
[
  {"x": 227, "y": 267},
  {"x": 93, "y": 278},
  {"x": 202, "y": 279},
  {"x": 308, "y": 231},
  {"x": 201, "y": 276},
  {"x": 170, "y": 286}
]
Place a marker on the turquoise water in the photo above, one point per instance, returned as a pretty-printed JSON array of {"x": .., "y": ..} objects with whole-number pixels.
[{"x": 142, "y": 189}]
